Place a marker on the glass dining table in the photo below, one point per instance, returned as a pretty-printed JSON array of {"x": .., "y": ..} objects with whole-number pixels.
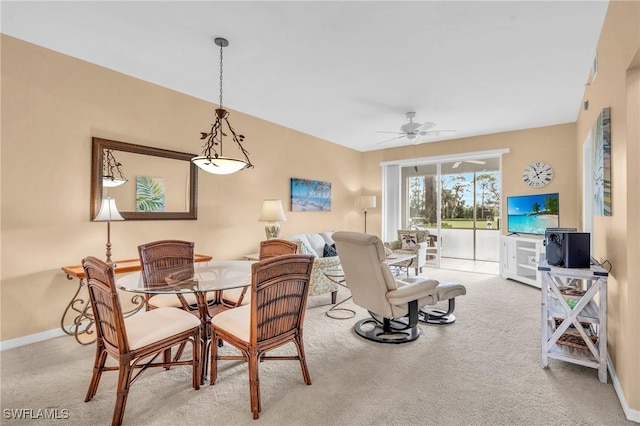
[{"x": 198, "y": 279}]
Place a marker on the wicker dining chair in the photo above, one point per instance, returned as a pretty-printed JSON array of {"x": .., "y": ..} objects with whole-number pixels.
[
  {"x": 279, "y": 291},
  {"x": 155, "y": 257},
  {"x": 276, "y": 247},
  {"x": 132, "y": 341},
  {"x": 268, "y": 249}
]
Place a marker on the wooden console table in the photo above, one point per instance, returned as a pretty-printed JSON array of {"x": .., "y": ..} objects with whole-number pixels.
[{"x": 82, "y": 327}]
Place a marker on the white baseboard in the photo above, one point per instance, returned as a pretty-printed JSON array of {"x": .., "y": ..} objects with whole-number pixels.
[
  {"x": 630, "y": 414},
  {"x": 32, "y": 338}
]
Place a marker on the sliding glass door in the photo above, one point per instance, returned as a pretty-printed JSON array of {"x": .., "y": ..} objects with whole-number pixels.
[
  {"x": 457, "y": 200},
  {"x": 470, "y": 213}
]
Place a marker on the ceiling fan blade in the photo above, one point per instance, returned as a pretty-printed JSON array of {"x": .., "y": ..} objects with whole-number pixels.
[
  {"x": 476, "y": 161},
  {"x": 427, "y": 125},
  {"x": 439, "y": 133},
  {"x": 390, "y": 140},
  {"x": 456, "y": 164},
  {"x": 395, "y": 133}
]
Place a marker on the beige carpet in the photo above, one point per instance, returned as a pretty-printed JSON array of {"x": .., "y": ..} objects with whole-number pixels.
[{"x": 482, "y": 370}]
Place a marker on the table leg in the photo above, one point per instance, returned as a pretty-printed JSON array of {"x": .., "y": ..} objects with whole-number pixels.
[
  {"x": 205, "y": 333},
  {"x": 339, "y": 279}
]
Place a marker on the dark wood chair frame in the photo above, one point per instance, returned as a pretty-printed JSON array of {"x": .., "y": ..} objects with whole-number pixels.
[
  {"x": 279, "y": 292},
  {"x": 268, "y": 249},
  {"x": 112, "y": 339},
  {"x": 157, "y": 256}
]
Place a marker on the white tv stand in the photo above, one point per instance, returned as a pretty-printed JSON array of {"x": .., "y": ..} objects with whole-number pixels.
[{"x": 519, "y": 258}]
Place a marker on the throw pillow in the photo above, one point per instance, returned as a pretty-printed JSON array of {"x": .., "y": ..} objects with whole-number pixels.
[
  {"x": 303, "y": 248},
  {"x": 409, "y": 241},
  {"x": 329, "y": 250}
]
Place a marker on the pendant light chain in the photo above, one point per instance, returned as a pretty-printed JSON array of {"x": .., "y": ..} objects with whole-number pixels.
[{"x": 221, "y": 74}]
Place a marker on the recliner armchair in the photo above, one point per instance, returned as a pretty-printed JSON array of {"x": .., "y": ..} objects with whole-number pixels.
[{"x": 394, "y": 305}]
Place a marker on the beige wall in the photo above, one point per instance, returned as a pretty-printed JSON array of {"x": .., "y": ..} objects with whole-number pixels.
[
  {"x": 52, "y": 106},
  {"x": 617, "y": 237}
]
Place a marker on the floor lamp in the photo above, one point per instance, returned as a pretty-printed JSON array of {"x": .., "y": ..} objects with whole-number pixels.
[
  {"x": 108, "y": 212},
  {"x": 366, "y": 202}
]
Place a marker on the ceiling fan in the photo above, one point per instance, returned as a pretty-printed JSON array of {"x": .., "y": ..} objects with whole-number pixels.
[
  {"x": 412, "y": 130},
  {"x": 457, "y": 163}
]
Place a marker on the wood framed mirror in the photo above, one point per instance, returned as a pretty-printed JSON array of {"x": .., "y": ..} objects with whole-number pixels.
[{"x": 161, "y": 184}]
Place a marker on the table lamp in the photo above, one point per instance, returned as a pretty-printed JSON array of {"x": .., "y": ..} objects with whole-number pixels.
[
  {"x": 366, "y": 202},
  {"x": 108, "y": 212},
  {"x": 272, "y": 213}
]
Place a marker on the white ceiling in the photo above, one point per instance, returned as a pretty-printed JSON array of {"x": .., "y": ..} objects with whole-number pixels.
[{"x": 342, "y": 70}]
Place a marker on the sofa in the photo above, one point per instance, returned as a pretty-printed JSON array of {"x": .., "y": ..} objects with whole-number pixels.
[
  {"x": 322, "y": 247},
  {"x": 411, "y": 241}
]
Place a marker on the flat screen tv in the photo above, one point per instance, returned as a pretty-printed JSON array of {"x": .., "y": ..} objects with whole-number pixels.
[{"x": 532, "y": 214}]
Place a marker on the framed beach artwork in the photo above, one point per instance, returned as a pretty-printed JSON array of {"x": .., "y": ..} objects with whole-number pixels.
[
  {"x": 602, "y": 164},
  {"x": 310, "y": 195},
  {"x": 150, "y": 194}
]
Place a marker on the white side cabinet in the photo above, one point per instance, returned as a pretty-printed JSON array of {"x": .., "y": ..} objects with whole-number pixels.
[{"x": 519, "y": 258}]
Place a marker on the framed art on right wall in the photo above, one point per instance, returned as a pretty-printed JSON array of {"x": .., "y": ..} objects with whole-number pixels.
[{"x": 602, "y": 164}]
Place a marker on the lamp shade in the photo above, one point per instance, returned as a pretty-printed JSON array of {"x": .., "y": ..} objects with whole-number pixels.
[
  {"x": 112, "y": 182},
  {"x": 272, "y": 211},
  {"x": 220, "y": 165},
  {"x": 367, "y": 201},
  {"x": 108, "y": 211}
]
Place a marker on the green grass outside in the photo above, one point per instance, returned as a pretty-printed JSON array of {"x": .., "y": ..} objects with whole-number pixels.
[{"x": 467, "y": 224}]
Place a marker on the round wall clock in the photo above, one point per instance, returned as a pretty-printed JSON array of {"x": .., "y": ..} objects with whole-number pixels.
[{"x": 537, "y": 174}]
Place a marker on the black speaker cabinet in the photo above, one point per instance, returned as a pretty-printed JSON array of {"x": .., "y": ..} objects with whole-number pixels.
[{"x": 567, "y": 248}]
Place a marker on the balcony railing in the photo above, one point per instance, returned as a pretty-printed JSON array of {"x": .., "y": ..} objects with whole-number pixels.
[{"x": 458, "y": 243}]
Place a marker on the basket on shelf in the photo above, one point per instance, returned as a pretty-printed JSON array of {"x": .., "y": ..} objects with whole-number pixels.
[
  {"x": 572, "y": 337},
  {"x": 572, "y": 291}
]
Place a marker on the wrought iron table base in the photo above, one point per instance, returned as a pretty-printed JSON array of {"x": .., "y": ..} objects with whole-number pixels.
[{"x": 83, "y": 323}]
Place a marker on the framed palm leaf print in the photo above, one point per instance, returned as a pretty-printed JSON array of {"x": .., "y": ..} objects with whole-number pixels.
[{"x": 150, "y": 194}]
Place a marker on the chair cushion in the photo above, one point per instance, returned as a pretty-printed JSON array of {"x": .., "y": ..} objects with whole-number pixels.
[
  {"x": 236, "y": 321},
  {"x": 316, "y": 242},
  {"x": 414, "y": 290},
  {"x": 304, "y": 248},
  {"x": 232, "y": 295},
  {"x": 158, "y": 324},
  {"x": 171, "y": 300},
  {"x": 446, "y": 291}
]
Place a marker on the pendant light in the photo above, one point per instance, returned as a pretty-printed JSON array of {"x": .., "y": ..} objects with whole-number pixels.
[{"x": 212, "y": 159}]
